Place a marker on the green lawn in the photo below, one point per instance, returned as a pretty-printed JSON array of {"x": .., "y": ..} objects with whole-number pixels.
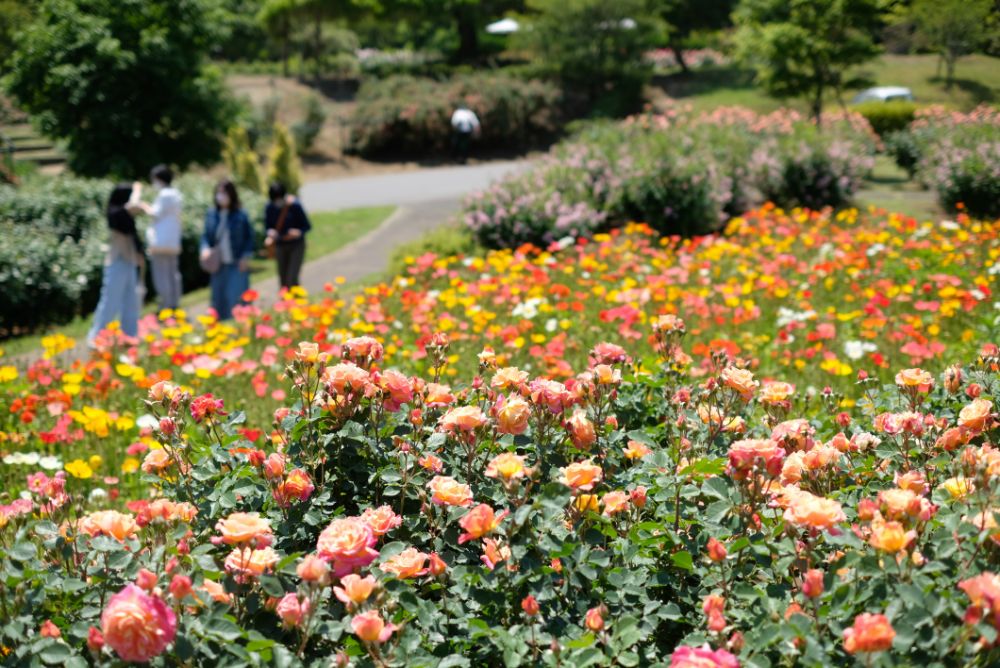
[
  {"x": 331, "y": 230},
  {"x": 977, "y": 80}
]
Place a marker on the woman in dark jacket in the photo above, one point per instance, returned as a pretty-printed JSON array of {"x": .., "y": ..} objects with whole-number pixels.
[
  {"x": 285, "y": 226},
  {"x": 119, "y": 288},
  {"x": 228, "y": 229}
]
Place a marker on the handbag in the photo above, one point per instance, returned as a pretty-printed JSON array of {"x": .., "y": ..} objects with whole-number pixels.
[
  {"x": 211, "y": 262},
  {"x": 279, "y": 228}
]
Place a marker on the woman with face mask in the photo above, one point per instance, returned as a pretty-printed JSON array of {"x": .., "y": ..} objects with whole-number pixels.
[
  {"x": 229, "y": 238},
  {"x": 163, "y": 236},
  {"x": 285, "y": 227}
]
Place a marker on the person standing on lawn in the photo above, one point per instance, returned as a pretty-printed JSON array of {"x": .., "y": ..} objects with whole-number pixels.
[
  {"x": 285, "y": 227},
  {"x": 120, "y": 285},
  {"x": 464, "y": 126},
  {"x": 163, "y": 236},
  {"x": 226, "y": 249}
]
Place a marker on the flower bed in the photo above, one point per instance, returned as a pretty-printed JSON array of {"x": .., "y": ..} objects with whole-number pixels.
[{"x": 681, "y": 173}]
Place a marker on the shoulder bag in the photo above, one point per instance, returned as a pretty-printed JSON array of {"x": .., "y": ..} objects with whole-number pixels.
[
  {"x": 211, "y": 262},
  {"x": 279, "y": 228}
]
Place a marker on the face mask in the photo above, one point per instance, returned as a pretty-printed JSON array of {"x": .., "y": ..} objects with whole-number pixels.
[{"x": 222, "y": 199}]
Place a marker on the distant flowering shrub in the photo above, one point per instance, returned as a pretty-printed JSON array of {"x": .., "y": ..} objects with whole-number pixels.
[{"x": 683, "y": 174}]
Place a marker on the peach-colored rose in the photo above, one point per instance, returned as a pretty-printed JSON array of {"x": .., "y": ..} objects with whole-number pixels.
[
  {"x": 509, "y": 378},
  {"x": 602, "y": 374},
  {"x": 750, "y": 455},
  {"x": 512, "y": 415},
  {"x": 795, "y": 434},
  {"x": 975, "y": 415},
  {"x": 702, "y": 657},
  {"x": 870, "y": 633},
  {"x": 354, "y": 589},
  {"x": 581, "y": 430},
  {"x": 397, "y": 388},
  {"x": 808, "y": 511},
  {"x": 915, "y": 380},
  {"x": 820, "y": 457},
  {"x": 493, "y": 554},
  {"x": 382, "y": 520},
  {"x": 791, "y": 469},
  {"x": 346, "y": 378},
  {"x": 582, "y": 476},
  {"x": 775, "y": 392},
  {"x": 446, "y": 491},
  {"x": 292, "y": 610},
  {"x": 914, "y": 481},
  {"x": 362, "y": 349},
  {"x": 313, "y": 569},
  {"x": 463, "y": 418},
  {"x": 615, "y": 502},
  {"x": 137, "y": 626},
  {"x": 479, "y": 522},
  {"x": 274, "y": 466},
  {"x": 897, "y": 504},
  {"x": 163, "y": 390},
  {"x": 812, "y": 583},
  {"x": 347, "y": 542},
  {"x": 954, "y": 438},
  {"x": 668, "y": 323},
  {"x": 370, "y": 628},
  {"x": 986, "y": 523},
  {"x": 308, "y": 352},
  {"x": 244, "y": 528},
  {"x": 111, "y": 523},
  {"x": 410, "y": 563},
  {"x": 507, "y": 466},
  {"x": 437, "y": 395},
  {"x": 216, "y": 591},
  {"x": 246, "y": 563},
  {"x": 594, "y": 620},
  {"x": 890, "y": 536},
  {"x": 739, "y": 380},
  {"x": 636, "y": 450},
  {"x": 432, "y": 463},
  {"x": 551, "y": 394},
  {"x": 156, "y": 461}
]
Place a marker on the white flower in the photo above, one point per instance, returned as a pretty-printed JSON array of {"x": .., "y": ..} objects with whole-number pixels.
[
  {"x": 527, "y": 309},
  {"x": 950, "y": 225},
  {"x": 551, "y": 325},
  {"x": 50, "y": 463},
  {"x": 855, "y": 350},
  {"x": 147, "y": 421},
  {"x": 97, "y": 494},
  {"x": 27, "y": 458},
  {"x": 874, "y": 250}
]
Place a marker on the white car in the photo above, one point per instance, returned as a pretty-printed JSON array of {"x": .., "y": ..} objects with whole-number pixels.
[{"x": 884, "y": 94}]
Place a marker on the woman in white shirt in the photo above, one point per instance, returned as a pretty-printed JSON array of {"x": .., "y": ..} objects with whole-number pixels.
[{"x": 163, "y": 236}]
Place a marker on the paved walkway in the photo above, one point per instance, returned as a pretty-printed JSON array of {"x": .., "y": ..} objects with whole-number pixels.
[{"x": 426, "y": 199}]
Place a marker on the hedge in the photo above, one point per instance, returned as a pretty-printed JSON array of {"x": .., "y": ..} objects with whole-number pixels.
[{"x": 404, "y": 115}]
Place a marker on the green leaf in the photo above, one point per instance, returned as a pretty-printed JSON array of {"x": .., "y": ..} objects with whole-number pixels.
[{"x": 683, "y": 560}]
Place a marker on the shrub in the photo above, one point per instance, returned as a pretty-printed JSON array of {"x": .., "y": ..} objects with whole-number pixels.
[
  {"x": 682, "y": 174},
  {"x": 409, "y": 116},
  {"x": 306, "y": 130},
  {"x": 241, "y": 160},
  {"x": 283, "y": 161},
  {"x": 887, "y": 117},
  {"x": 904, "y": 149}
]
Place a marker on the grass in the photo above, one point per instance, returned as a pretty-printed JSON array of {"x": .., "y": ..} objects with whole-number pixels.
[
  {"x": 331, "y": 230},
  {"x": 977, "y": 80}
]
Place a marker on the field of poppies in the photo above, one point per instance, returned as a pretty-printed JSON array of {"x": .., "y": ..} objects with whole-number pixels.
[{"x": 773, "y": 446}]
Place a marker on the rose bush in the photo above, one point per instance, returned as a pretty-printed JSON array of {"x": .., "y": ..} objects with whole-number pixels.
[{"x": 707, "y": 520}]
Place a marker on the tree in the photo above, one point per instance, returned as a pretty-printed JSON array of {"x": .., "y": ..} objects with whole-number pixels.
[
  {"x": 467, "y": 18},
  {"x": 685, "y": 17},
  {"x": 124, "y": 82},
  {"x": 14, "y": 15},
  {"x": 241, "y": 160},
  {"x": 805, "y": 48},
  {"x": 594, "y": 47},
  {"x": 277, "y": 16},
  {"x": 953, "y": 28},
  {"x": 283, "y": 161}
]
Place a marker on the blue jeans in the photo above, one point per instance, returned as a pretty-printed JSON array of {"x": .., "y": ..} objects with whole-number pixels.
[
  {"x": 119, "y": 299},
  {"x": 228, "y": 285}
]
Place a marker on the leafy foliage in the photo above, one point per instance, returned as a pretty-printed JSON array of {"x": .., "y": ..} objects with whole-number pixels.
[
  {"x": 283, "y": 161},
  {"x": 124, "y": 82}
]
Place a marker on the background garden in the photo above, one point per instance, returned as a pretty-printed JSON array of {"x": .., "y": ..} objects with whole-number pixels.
[{"x": 711, "y": 381}]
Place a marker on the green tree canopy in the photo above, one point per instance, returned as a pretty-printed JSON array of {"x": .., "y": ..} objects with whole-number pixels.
[
  {"x": 685, "y": 17},
  {"x": 805, "y": 48},
  {"x": 124, "y": 82},
  {"x": 953, "y": 28}
]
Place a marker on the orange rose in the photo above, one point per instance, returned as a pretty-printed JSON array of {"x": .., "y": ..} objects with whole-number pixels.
[
  {"x": 507, "y": 466},
  {"x": 512, "y": 415},
  {"x": 346, "y": 378},
  {"x": 243, "y": 528},
  {"x": 636, "y": 450},
  {"x": 370, "y": 628},
  {"x": 975, "y": 415},
  {"x": 582, "y": 476},
  {"x": 410, "y": 563},
  {"x": 751, "y": 455},
  {"x": 216, "y": 591},
  {"x": 739, "y": 380},
  {"x": 111, "y": 523},
  {"x": 363, "y": 349},
  {"x": 447, "y": 491},
  {"x": 382, "y": 520},
  {"x": 479, "y": 522},
  {"x": 156, "y": 461},
  {"x": 668, "y": 323},
  {"x": 986, "y": 523},
  {"x": 776, "y": 392},
  {"x": 915, "y": 380},
  {"x": 509, "y": 378},
  {"x": 347, "y": 542},
  {"x": 308, "y": 352},
  {"x": 493, "y": 554},
  {"x": 354, "y": 589},
  {"x": 463, "y": 418},
  {"x": 808, "y": 511},
  {"x": 438, "y": 395},
  {"x": 615, "y": 502},
  {"x": 246, "y": 563},
  {"x": 870, "y": 633},
  {"x": 314, "y": 569},
  {"x": 581, "y": 430},
  {"x": 890, "y": 537}
]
